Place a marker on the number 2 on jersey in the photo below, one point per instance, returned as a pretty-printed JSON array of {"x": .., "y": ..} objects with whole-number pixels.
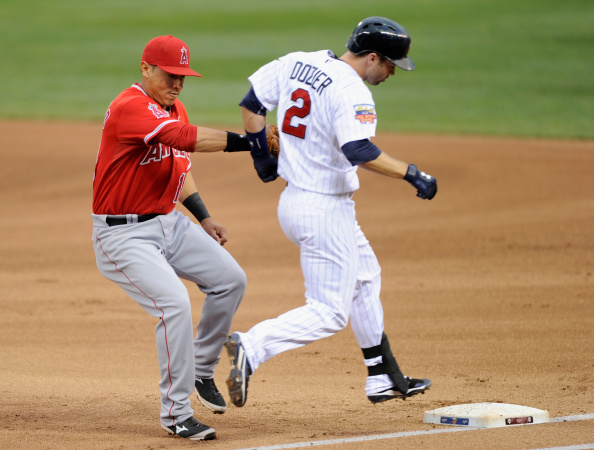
[{"x": 296, "y": 111}]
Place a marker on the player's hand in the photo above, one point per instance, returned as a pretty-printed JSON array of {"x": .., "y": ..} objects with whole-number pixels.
[
  {"x": 266, "y": 165},
  {"x": 217, "y": 231},
  {"x": 425, "y": 184}
]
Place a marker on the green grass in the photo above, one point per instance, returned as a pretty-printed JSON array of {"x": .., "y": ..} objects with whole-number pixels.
[{"x": 498, "y": 67}]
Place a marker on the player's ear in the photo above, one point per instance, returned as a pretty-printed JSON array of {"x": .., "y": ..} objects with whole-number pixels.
[
  {"x": 369, "y": 59},
  {"x": 373, "y": 58},
  {"x": 145, "y": 68}
]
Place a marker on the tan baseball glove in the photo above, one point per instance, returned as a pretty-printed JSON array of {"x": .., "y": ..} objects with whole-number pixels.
[{"x": 272, "y": 139}]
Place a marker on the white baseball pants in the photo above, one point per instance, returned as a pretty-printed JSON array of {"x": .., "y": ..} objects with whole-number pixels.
[{"x": 342, "y": 281}]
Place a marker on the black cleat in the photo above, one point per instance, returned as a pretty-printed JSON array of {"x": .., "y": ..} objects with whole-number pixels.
[
  {"x": 415, "y": 386},
  {"x": 209, "y": 395},
  {"x": 191, "y": 429}
]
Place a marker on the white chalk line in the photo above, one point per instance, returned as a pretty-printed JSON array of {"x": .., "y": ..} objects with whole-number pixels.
[
  {"x": 422, "y": 433},
  {"x": 569, "y": 447}
]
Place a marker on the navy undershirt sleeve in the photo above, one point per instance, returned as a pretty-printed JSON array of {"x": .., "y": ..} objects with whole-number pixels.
[
  {"x": 359, "y": 152},
  {"x": 251, "y": 102}
]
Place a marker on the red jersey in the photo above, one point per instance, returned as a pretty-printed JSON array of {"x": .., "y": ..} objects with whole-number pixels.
[{"x": 143, "y": 156}]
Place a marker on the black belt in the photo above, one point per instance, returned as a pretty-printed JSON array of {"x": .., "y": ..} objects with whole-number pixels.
[{"x": 111, "y": 220}]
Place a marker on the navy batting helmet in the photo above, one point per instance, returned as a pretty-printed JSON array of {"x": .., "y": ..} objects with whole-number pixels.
[{"x": 382, "y": 36}]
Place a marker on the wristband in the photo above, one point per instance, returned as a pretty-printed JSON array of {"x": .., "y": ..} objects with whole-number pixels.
[
  {"x": 425, "y": 185},
  {"x": 411, "y": 173},
  {"x": 237, "y": 143},
  {"x": 195, "y": 205},
  {"x": 258, "y": 143}
]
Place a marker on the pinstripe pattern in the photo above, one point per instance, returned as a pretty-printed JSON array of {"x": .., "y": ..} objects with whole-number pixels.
[
  {"x": 342, "y": 281},
  {"x": 315, "y": 162},
  {"x": 322, "y": 226},
  {"x": 318, "y": 98}
]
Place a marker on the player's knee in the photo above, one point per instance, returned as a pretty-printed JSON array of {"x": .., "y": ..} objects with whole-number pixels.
[
  {"x": 338, "y": 320},
  {"x": 341, "y": 320},
  {"x": 182, "y": 304},
  {"x": 241, "y": 279},
  {"x": 232, "y": 283},
  {"x": 237, "y": 279},
  {"x": 334, "y": 319},
  {"x": 175, "y": 305}
]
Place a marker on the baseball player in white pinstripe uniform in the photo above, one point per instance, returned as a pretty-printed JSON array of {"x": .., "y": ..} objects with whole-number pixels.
[{"x": 326, "y": 117}]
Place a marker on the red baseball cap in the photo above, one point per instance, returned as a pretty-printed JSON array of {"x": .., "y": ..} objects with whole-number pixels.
[{"x": 169, "y": 54}]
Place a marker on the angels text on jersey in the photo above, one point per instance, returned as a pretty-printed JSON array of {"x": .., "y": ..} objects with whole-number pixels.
[{"x": 156, "y": 153}]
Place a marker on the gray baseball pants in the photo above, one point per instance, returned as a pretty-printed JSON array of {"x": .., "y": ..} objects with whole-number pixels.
[{"x": 147, "y": 260}]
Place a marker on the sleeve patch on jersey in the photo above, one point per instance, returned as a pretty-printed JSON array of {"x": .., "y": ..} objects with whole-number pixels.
[
  {"x": 365, "y": 113},
  {"x": 157, "y": 111}
]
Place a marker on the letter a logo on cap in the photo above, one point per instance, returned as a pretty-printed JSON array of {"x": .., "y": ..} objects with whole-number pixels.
[{"x": 184, "y": 56}]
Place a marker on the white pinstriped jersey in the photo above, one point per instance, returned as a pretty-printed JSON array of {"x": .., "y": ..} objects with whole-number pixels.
[{"x": 322, "y": 103}]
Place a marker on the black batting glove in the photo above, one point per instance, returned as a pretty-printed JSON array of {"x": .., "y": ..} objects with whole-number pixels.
[{"x": 425, "y": 185}]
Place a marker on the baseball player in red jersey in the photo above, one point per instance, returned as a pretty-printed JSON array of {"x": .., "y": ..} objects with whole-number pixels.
[
  {"x": 327, "y": 116},
  {"x": 143, "y": 244}
]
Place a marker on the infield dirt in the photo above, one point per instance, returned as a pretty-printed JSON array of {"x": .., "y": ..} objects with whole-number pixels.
[{"x": 488, "y": 291}]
